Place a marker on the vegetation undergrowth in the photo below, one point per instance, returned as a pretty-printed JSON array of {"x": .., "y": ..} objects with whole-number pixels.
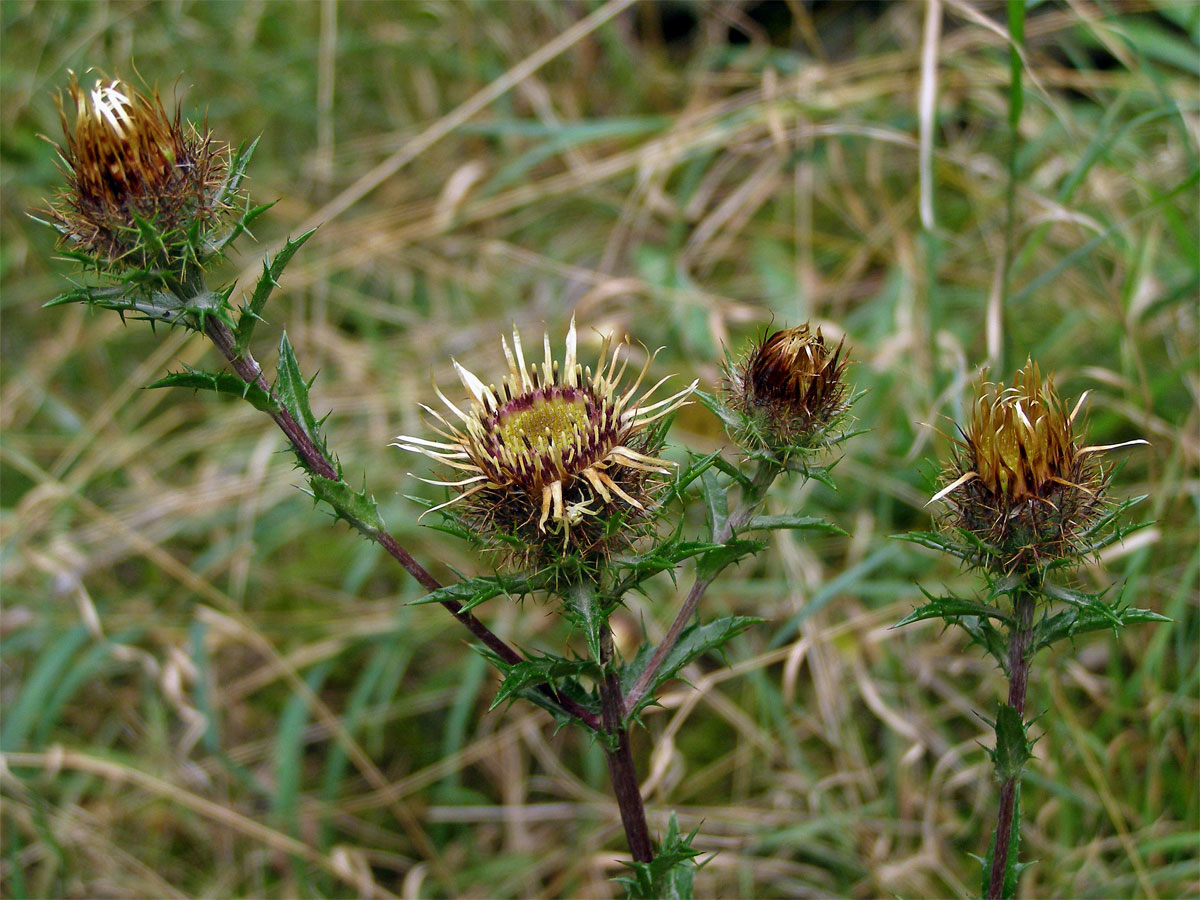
[{"x": 210, "y": 691}]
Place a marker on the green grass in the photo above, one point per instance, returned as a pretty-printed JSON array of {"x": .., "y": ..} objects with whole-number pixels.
[{"x": 210, "y": 689}]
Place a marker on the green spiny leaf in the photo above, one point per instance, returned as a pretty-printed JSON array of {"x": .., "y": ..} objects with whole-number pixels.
[
  {"x": 586, "y": 610},
  {"x": 716, "y": 502},
  {"x": 693, "y": 470},
  {"x": 150, "y": 235},
  {"x": 789, "y": 521},
  {"x": 470, "y": 592},
  {"x": 717, "y": 408},
  {"x": 538, "y": 669},
  {"x": 1075, "y": 621},
  {"x": 937, "y": 541},
  {"x": 695, "y": 641},
  {"x": 292, "y": 390},
  {"x": 984, "y": 634},
  {"x": 237, "y": 171},
  {"x": 1012, "y": 743},
  {"x": 713, "y": 561},
  {"x": 670, "y": 875},
  {"x": 272, "y": 270},
  {"x": 951, "y": 609},
  {"x": 357, "y": 508},
  {"x": 733, "y": 472},
  {"x": 222, "y": 383}
]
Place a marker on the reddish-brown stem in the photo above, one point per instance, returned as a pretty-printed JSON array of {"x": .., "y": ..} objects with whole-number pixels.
[
  {"x": 250, "y": 372},
  {"x": 1019, "y": 645},
  {"x": 620, "y": 756}
]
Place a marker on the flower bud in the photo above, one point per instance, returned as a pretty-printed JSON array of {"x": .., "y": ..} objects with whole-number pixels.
[
  {"x": 788, "y": 391},
  {"x": 1020, "y": 482},
  {"x": 133, "y": 170}
]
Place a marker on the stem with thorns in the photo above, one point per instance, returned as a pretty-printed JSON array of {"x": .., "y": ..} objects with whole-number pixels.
[
  {"x": 249, "y": 371},
  {"x": 1019, "y": 645}
]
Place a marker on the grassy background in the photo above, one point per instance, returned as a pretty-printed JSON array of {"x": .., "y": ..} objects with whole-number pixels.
[{"x": 205, "y": 682}]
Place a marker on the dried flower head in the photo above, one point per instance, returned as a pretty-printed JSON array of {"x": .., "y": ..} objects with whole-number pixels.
[
  {"x": 1020, "y": 481},
  {"x": 126, "y": 160},
  {"x": 552, "y": 449},
  {"x": 788, "y": 390}
]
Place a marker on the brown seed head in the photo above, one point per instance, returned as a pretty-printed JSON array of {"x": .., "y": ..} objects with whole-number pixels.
[
  {"x": 126, "y": 159},
  {"x": 1020, "y": 480},
  {"x": 789, "y": 388}
]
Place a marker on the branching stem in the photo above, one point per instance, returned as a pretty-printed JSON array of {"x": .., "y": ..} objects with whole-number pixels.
[
  {"x": 251, "y": 372},
  {"x": 752, "y": 497}
]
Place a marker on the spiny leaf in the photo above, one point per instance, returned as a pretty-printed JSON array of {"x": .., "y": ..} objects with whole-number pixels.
[
  {"x": 713, "y": 561},
  {"x": 222, "y": 383},
  {"x": 984, "y": 634},
  {"x": 951, "y": 609},
  {"x": 151, "y": 237},
  {"x": 470, "y": 592},
  {"x": 789, "y": 521},
  {"x": 293, "y": 392},
  {"x": 585, "y": 610},
  {"x": 662, "y": 558},
  {"x": 272, "y": 270},
  {"x": 538, "y": 669},
  {"x": 716, "y": 502},
  {"x": 237, "y": 170},
  {"x": 357, "y": 508},
  {"x": 670, "y": 875},
  {"x": 1012, "y": 743},
  {"x": 567, "y": 688},
  {"x": 695, "y": 641},
  {"x": 1080, "y": 620},
  {"x": 936, "y": 541},
  {"x": 718, "y": 409},
  {"x": 693, "y": 470}
]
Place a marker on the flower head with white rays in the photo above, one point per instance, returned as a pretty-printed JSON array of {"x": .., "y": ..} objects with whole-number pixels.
[
  {"x": 1020, "y": 482},
  {"x": 553, "y": 449}
]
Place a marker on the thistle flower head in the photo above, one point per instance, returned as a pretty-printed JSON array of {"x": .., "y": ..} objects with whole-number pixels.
[
  {"x": 788, "y": 390},
  {"x": 129, "y": 164},
  {"x": 553, "y": 449},
  {"x": 1020, "y": 480}
]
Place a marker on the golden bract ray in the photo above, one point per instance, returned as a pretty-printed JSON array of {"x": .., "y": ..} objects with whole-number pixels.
[
  {"x": 126, "y": 159},
  {"x": 553, "y": 444},
  {"x": 1020, "y": 480}
]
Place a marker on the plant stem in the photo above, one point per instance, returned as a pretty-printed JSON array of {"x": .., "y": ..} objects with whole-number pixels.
[
  {"x": 620, "y": 755},
  {"x": 752, "y": 497},
  {"x": 1019, "y": 642},
  {"x": 251, "y": 372}
]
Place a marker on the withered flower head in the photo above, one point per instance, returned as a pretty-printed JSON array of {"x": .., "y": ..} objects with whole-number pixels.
[
  {"x": 788, "y": 389},
  {"x": 552, "y": 449},
  {"x": 1020, "y": 481},
  {"x": 126, "y": 159}
]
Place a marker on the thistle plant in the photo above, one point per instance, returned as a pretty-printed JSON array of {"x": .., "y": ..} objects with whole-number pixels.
[
  {"x": 558, "y": 469},
  {"x": 1025, "y": 504}
]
